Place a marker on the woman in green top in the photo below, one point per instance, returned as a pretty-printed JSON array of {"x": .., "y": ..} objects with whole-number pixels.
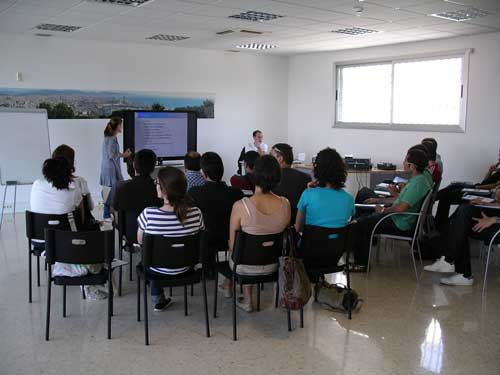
[{"x": 409, "y": 200}]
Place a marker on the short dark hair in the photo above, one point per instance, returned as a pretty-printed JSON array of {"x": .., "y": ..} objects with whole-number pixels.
[
  {"x": 255, "y": 132},
  {"x": 267, "y": 173},
  {"x": 418, "y": 158},
  {"x": 422, "y": 147},
  {"x": 286, "y": 151},
  {"x": 250, "y": 158},
  {"x": 192, "y": 161},
  {"x": 66, "y": 152},
  {"x": 212, "y": 166},
  {"x": 330, "y": 168},
  {"x": 144, "y": 162},
  {"x": 58, "y": 172},
  {"x": 431, "y": 145}
]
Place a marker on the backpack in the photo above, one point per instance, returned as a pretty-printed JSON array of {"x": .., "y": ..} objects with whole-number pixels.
[
  {"x": 294, "y": 285},
  {"x": 336, "y": 296}
]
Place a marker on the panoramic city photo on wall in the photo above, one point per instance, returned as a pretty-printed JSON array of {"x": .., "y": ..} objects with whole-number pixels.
[{"x": 67, "y": 104}]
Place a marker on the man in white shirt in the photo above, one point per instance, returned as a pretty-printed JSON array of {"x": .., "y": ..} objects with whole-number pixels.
[{"x": 257, "y": 144}]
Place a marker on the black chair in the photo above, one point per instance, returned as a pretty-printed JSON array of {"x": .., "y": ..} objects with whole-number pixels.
[
  {"x": 127, "y": 237},
  {"x": 79, "y": 248},
  {"x": 321, "y": 251},
  {"x": 252, "y": 250},
  {"x": 35, "y": 226},
  {"x": 172, "y": 252}
]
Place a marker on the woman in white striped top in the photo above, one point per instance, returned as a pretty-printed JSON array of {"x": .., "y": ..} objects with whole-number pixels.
[{"x": 177, "y": 217}]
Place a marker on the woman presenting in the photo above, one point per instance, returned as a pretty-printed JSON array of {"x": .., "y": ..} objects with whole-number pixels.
[{"x": 110, "y": 166}]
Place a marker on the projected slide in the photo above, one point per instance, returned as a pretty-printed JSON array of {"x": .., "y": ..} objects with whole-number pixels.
[{"x": 163, "y": 132}]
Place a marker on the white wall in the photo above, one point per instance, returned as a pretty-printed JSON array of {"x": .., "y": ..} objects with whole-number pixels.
[
  {"x": 250, "y": 91},
  {"x": 466, "y": 156}
]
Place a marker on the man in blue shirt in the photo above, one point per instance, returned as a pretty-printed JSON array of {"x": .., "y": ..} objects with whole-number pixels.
[{"x": 192, "y": 167}]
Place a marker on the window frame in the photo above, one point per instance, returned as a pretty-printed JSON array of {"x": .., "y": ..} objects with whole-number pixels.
[{"x": 460, "y": 128}]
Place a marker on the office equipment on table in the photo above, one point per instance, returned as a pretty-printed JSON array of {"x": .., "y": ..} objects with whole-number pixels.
[
  {"x": 358, "y": 163},
  {"x": 386, "y": 166}
]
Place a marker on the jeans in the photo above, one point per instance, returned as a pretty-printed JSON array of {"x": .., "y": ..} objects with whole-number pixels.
[{"x": 360, "y": 233}]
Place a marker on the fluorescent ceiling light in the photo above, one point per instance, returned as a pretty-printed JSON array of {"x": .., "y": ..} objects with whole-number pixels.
[
  {"x": 256, "y": 16},
  {"x": 61, "y": 28},
  {"x": 167, "y": 38},
  {"x": 354, "y": 31},
  {"x": 461, "y": 15},
  {"x": 256, "y": 46}
]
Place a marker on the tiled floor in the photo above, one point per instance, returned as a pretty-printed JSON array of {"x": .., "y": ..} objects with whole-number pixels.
[{"x": 402, "y": 328}]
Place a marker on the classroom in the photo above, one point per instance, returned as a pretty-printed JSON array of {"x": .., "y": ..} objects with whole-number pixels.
[{"x": 258, "y": 186}]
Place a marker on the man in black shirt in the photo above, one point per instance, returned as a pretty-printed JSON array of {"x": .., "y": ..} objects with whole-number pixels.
[
  {"x": 293, "y": 182},
  {"x": 215, "y": 200},
  {"x": 139, "y": 192}
]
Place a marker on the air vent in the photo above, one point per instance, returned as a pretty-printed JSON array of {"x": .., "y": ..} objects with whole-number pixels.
[
  {"x": 225, "y": 32},
  {"x": 256, "y": 46},
  {"x": 461, "y": 15},
  {"x": 354, "y": 31},
  {"x": 251, "y": 32},
  {"x": 43, "y": 35},
  {"x": 61, "y": 28},
  {"x": 167, "y": 38},
  {"x": 256, "y": 16},
  {"x": 132, "y": 3}
]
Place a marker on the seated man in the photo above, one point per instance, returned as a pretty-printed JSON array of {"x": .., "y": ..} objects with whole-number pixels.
[
  {"x": 139, "y": 192},
  {"x": 215, "y": 199},
  {"x": 192, "y": 166},
  {"x": 246, "y": 182},
  {"x": 467, "y": 220},
  {"x": 409, "y": 200},
  {"x": 452, "y": 194},
  {"x": 293, "y": 182}
]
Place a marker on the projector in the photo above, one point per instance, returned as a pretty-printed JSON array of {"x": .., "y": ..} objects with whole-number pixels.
[{"x": 358, "y": 164}]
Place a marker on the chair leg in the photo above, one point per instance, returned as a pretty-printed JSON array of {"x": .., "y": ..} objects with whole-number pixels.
[
  {"x": 130, "y": 266},
  {"x": 120, "y": 272},
  {"x": 146, "y": 332},
  {"x": 289, "y": 319},
  {"x": 301, "y": 317},
  {"x": 138, "y": 299},
  {"x": 170, "y": 292},
  {"x": 420, "y": 255},
  {"x": 486, "y": 268},
  {"x": 414, "y": 263},
  {"x": 277, "y": 294},
  {"x": 216, "y": 281},
  {"x": 192, "y": 290},
  {"x": 205, "y": 302},
  {"x": 110, "y": 301},
  {"x": 369, "y": 253},
  {"x": 47, "y": 322},
  {"x": 241, "y": 288},
  {"x": 262, "y": 286},
  {"x": 83, "y": 292},
  {"x": 38, "y": 271},
  {"x": 45, "y": 266},
  {"x": 258, "y": 297},
  {"x": 30, "y": 299},
  {"x": 234, "y": 310},
  {"x": 185, "y": 301},
  {"x": 64, "y": 301}
]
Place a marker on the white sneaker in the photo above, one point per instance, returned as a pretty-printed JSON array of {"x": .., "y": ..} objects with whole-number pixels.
[
  {"x": 242, "y": 305},
  {"x": 458, "y": 280},
  {"x": 440, "y": 265},
  {"x": 94, "y": 294}
]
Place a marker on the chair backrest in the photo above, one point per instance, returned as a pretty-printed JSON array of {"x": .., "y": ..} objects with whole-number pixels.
[
  {"x": 36, "y": 224},
  {"x": 323, "y": 246},
  {"x": 127, "y": 224},
  {"x": 79, "y": 247},
  {"x": 173, "y": 252},
  {"x": 257, "y": 250},
  {"x": 424, "y": 209}
]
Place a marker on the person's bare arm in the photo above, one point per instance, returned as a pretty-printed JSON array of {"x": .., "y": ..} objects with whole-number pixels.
[
  {"x": 140, "y": 236},
  {"x": 299, "y": 221},
  {"x": 234, "y": 223},
  {"x": 400, "y": 207}
]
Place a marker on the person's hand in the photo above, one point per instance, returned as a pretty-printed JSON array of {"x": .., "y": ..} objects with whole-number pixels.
[
  {"x": 483, "y": 223},
  {"x": 127, "y": 153},
  {"x": 379, "y": 209},
  {"x": 393, "y": 189},
  {"x": 371, "y": 201},
  {"x": 477, "y": 201},
  {"x": 312, "y": 184}
]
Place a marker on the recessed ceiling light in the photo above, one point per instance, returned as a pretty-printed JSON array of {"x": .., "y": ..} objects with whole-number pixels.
[
  {"x": 256, "y": 46},
  {"x": 354, "y": 31},
  {"x": 132, "y": 3},
  {"x": 256, "y": 16},
  {"x": 62, "y": 28},
  {"x": 43, "y": 35},
  {"x": 167, "y": 38},
  {"x": 461, "y": 15}
]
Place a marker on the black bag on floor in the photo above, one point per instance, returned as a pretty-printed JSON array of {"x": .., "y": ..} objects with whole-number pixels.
[{"x": 336, "y": 297}]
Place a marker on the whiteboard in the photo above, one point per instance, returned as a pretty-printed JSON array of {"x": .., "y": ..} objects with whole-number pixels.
[{"x": 24, "y": 144}]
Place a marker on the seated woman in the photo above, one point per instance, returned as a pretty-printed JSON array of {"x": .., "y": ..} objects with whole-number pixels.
[
  {"x": 327, "y": 205},
  {"x": 57, "y": 194},
  {"x": 175, "y": 218},
  {"x": 409, "y": 200},
  {"x": 263, "y": 213}
]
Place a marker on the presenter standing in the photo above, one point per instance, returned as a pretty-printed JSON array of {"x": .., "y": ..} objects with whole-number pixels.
[
  {"x": 257, "y": 144},
  {"x": 110, "y": 165}
]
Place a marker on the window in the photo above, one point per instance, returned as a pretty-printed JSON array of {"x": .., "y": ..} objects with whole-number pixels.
[{"x": 423, "y": 94}]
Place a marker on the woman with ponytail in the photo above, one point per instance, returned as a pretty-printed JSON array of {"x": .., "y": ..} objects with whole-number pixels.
[
  {"x": 177, "y": 217},
  {"x": 110, "y": 165}
]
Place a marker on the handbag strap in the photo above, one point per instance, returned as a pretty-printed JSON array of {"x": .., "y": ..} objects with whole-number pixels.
[
  {"x": 289, "y": 243},
  {"x": 72, "y": 222}
]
